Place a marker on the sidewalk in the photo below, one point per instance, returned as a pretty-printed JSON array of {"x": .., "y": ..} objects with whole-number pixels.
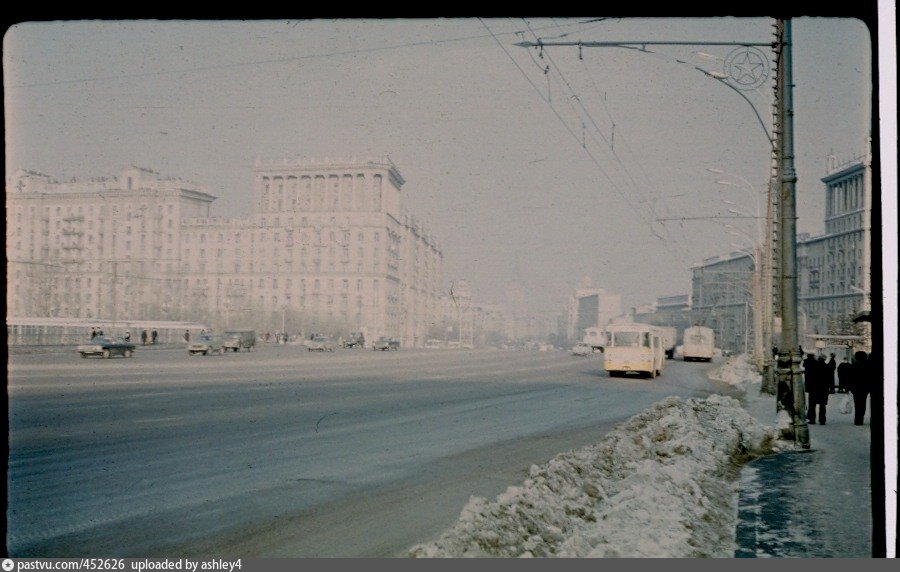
[{"x": 808, "y": 504}]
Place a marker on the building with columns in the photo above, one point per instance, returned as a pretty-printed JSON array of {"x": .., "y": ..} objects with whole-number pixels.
[
  {"x": 834, "y": 272},
  {"x": 835, "y": 268},
  {"x": 328, "y": 249}
]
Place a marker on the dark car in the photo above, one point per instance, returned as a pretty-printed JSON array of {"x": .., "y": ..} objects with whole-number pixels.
[
  {"x": 384, "y": 343},
  {"x": 105, "y": 346},
  {"x": 356, "y": 340}
]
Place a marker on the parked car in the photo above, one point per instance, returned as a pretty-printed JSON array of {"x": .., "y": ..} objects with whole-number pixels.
[
  {"x": 384, "y": 343},
  {"x": 582, "y": 349},
  {"x": 356, "y": 340},
  {"x": 235, "y": 340},
  {"x": 106, "y": 346},
  {"x": 207, "y": 344},
  {"x": 320, "y": 344}
]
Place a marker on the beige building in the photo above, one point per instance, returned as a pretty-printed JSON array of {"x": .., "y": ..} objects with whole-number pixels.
[
  {"x": 835, "y": 268},
  {"x": 589, "y": 307},
  {"x": 106, "y": 248},
  {"x": 327, "y": 250}
]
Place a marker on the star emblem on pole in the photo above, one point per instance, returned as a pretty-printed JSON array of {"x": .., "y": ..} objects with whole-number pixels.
[{"x": 747, "y": 67}]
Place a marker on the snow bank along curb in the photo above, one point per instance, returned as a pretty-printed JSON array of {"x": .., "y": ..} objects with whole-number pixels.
[
  {"x": 659, "y": 485},
  {"x": 738, "y": 371}
]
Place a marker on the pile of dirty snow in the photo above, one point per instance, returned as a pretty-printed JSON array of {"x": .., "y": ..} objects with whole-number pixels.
[
  {"x": 659, "y": 485},
  {"x": 738, "y": 371}
]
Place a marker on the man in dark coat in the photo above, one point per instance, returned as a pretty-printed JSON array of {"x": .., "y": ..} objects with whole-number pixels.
[
  {"x": 860, "y": 385},
  {"x": 825, "y": 386},
  {"x": 832, "y": 367},
  {"x": 812, "y": 379},
  {"x": 843, "y": 372}
]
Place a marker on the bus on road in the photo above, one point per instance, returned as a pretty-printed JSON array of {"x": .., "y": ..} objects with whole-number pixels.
[
  {"x": 633, "y": 348},
  {"x": 699, "y": 343}
]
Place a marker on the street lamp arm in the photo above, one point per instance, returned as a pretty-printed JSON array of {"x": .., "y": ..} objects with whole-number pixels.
[{"x": 750, "y": 103}]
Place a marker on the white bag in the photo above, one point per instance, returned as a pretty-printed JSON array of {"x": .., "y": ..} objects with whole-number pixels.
[{"x": 847, "y": 403}]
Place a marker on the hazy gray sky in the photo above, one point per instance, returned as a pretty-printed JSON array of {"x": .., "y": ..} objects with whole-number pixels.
[{"x": 520, "y": 173}]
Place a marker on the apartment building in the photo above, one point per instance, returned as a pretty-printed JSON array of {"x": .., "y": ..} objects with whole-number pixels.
[{"x": 327, "y": 248}]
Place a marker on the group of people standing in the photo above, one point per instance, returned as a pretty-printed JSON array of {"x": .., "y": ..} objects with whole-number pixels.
[
  {"x": 819, "y": 378},
  {"x": 149, "y": 337}
]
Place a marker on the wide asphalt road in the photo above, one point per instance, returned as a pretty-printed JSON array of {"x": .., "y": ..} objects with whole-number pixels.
[{"x": 281, "y": 452}]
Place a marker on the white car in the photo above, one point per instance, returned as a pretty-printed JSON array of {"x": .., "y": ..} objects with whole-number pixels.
[
  {"x": 582, "y": 349},
  {"x": 320, "y": 344}
]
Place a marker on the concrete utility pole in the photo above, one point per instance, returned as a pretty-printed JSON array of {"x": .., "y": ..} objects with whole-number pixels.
[
  {"x": 790, "y": 381},
  {"x": 774, "y": 222}
]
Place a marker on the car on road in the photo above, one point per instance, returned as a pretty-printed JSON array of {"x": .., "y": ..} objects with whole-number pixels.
[
  {"x": 207, "y": 344},
  {"x": 356, "y": 340},
  {"x": 235, "y": 340},
  {"x": 384, "y": 344},
  {"x": 582, "y": 349},
  {"x": 320, "y": 344},
  {"x": 106, "y": 346}
]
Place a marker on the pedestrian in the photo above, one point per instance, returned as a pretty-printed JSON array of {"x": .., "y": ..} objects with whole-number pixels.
[
  {"x": 774, "y": 352},
  {"x": 187, "y": 336},
  {"x": 843, "y": 373},
  {"x": 815, "y": 387},
  {"x": 153, "y": 335},
  {"x": 832, "y": 368},
  {"x": 860, "y": 385},
  {"x": 825, "y": 386},
  {"x": 127, "y": 336},
  {"x": 93, "y": 333},
  {"x": 144, "y": 337}
]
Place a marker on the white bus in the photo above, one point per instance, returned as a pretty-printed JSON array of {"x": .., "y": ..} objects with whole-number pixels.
[
  {"x": 698, "y": 345},
  {"x": 633, "y": 348}
]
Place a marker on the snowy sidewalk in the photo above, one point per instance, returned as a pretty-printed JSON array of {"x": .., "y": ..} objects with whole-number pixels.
[
  {"x": 810, "y": 504},
  {"x": 660, "y": 485}
]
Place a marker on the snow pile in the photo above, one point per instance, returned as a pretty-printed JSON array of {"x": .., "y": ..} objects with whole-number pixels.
[
  {"x": 658, "y": 485},
  {"x": 738, "y": 371}
]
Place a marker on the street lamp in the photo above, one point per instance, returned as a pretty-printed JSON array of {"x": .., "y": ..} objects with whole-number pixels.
[{"x": 762, "y": 282}]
